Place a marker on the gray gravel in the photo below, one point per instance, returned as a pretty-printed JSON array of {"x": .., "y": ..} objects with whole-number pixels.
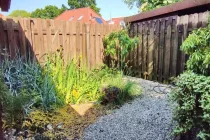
[{"x": 148, "y": 117}]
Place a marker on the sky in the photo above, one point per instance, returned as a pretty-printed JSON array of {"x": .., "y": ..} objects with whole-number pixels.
[{"x": 109, "y": 8}]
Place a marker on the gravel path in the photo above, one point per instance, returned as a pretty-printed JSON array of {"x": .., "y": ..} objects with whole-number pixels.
[{"x": 146, "y": 118}]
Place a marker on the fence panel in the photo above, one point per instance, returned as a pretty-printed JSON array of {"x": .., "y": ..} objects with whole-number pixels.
[
  {"x": 159, "y": 55},
  {"x": 37, "y": 37}
]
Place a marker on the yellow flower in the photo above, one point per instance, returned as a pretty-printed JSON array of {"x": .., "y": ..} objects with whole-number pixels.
[{"x": 75, "y": 93}]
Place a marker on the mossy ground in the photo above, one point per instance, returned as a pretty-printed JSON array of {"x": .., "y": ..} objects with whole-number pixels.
[{"x": 64, "y": 123}]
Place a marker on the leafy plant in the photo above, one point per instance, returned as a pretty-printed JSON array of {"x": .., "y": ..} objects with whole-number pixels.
[
  {"x": 76, "y": 84},
  {"x": 192, "y": 96},
  {"x": 192, "y": 90},
  {"x": 197, "y": 46},
  {"x": 12, "y": 107},
  {"x": 73, "y": 83},
  {"x": 118, "y": 45}
]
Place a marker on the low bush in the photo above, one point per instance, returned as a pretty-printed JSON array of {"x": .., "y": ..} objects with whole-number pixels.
[{"x": 192, "y": 113}]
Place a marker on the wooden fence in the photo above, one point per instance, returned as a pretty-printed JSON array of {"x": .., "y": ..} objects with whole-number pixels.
[
  {"x": 40, "y": 36},
  {"x": 158, "y": 55}
]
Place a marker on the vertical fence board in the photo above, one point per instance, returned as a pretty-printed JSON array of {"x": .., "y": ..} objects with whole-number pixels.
[
  {"x": 184, "y": 21},
  {"x": 161, "y": 47},
  {"x": 151, "y": 50},
  {"x": 167, "y": 49},
  {"x": 2, "y": 41},
  {"x": 135, "y": 50},
  {"x": 11, "y": 38},
  {"x": 157, "y": 41},
  {"x": 144, "y": 39},
  {"x": 175, "y": 49},
  {"x": 140, "y": 49}
]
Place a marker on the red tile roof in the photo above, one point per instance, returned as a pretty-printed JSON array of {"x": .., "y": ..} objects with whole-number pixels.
[
  {"x": 1, "y": 15},
  {"x": 5, "y": 5},
  {"x": 115, "y": 20},
  {"x": 86, "y": 15}
]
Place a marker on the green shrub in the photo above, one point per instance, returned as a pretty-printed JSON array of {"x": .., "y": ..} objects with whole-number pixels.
[
  {"x": 197, "y": 46},
  {"x": 192, "y": 92},
  {"x": 12, "y": 106},
  {"x": 192, "y": 112},
  {"x": 118, "y": 45}
]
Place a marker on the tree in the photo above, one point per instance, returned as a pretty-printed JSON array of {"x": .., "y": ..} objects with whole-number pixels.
[
  {"x": 20, "y": 13},
  {"x": 74, "y": 4},
  {"x": 49, "y": 11},
  {"x": 145, "y": 5}
]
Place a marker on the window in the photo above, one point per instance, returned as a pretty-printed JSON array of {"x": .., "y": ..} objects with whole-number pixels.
[
  {"x": 99, "y": 20},
  {"x": 71, "y": 18},
  {"x": 80, "y": 18}
]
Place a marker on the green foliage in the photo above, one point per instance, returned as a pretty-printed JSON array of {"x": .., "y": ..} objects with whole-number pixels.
[
  {"x": 73, "y": 83},
  {"x": 123, "y": 90},
  {"x": 12, "y": 106},
  {"x": 192, "y": 96},
  {"x": 33, "y": 88},
  {"x": 30, "y": 79},
  {"x": 118, "y": 45},
  {"x": 192, "y": 93},
  {"x": 20, "y": 13},
  {"x": 197, "y": 45},
  {"x": 49, "y": 12},
  {"x": 4, "y": 93},
  {"x": 76, "y": 84},
  {"x": 146, "y": 5},
  {"x": 74, "y": 4}
]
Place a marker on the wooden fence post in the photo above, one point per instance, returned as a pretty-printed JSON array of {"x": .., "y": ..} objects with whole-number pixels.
[{"x": 87, "y": 30}]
